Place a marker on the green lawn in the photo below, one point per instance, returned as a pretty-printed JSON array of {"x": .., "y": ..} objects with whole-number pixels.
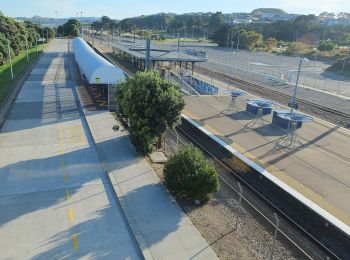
[{"x": 19, "y": 66}]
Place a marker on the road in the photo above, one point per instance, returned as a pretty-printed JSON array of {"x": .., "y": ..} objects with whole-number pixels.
[{"x": 55, "y": 202}]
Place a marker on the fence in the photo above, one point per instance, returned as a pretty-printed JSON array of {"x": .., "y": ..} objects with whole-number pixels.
[
  {"x": 279, "y": 238},
  {"x": 279, "y": 68}
]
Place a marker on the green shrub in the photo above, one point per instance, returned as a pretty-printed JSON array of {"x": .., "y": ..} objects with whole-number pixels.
[
  {"x": 189, "y": 175},
  {"x": 298, "y": 48},
  {"x": 326, "y": 46}
]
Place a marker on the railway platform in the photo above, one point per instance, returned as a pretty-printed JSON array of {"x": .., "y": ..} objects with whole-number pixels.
[{"x": 318, "y": 170}]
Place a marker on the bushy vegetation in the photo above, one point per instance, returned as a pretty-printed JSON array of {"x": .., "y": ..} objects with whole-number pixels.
[
  {"x": 17, "y": 33},
  {"x": 69, "y": 29},
  {"x": 151, "y": 105},
  {"x": 189, "y": 175},
  {"x": 299, "y": 48},
  {"x": 251, "y": 40},
  {"x": 326, "y": 46},
  {"x": 217, "y": 26}
]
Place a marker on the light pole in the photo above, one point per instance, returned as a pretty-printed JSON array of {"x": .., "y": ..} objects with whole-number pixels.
[
  {"x": 56, "y": 22},
  {"x": 295, "y": 35},
  {"x": 42, "y": 30},
  {"x": 81, "y": 23},
  {"x": 27, "y": 50},
  {"x": 10, "y": 59},
  {"x": 317, "y": 45},
  {"x": 228, "y": 38},
  {"x": 239, "y": 32},
  {"x": 178, "y": 40},
  {"x": 36, "y": 44},
  {"x": 293, "y": 105}
]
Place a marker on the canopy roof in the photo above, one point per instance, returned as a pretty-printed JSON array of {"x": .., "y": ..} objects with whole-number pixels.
[{"x": 96, "y": 69}]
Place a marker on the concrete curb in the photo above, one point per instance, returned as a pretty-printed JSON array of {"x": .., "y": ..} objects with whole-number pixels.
[{"x": 7, "y": 105}]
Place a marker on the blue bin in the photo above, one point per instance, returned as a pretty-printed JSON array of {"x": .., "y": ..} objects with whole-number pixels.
[
  {"x": 282, "y": 122},
  {"x": 254, "y": 109}
]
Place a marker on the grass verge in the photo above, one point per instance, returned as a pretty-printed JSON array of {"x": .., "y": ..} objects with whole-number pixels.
[{"x": 19, "y": 65}]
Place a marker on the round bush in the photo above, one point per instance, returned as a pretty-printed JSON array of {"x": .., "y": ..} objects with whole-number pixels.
[{"x": 189, "y": 175}]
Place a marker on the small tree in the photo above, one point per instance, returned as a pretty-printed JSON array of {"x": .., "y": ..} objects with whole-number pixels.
[
  {"x": 250, "y": 40},
  {"x": 271, "y": 43},
  {"x": 152, "y": 105},
  {"x": 188, "y": 174},
  {"x": 326, "y": 46}
]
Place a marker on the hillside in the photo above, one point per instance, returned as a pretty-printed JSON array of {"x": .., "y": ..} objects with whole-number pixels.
[{"x": 261, "y": 11}]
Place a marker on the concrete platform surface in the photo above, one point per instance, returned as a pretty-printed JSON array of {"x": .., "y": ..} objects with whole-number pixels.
[
  {"x": 54, "y": 199},
  {"x": 319, "y": 171},
  {"x": 162, "y": 229},
  {"x": 158, "y": 157}
]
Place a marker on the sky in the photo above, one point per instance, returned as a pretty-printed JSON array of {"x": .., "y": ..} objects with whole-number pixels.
[{"x": 129, "y": 8}]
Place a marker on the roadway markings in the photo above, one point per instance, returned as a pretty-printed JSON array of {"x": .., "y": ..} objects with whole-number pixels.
[
  {"x": 71, "y": 215},
  {"x": 67, "y": 194},
  {"x": 74, "y": 135},
  {"x": 75, "y": 241}
]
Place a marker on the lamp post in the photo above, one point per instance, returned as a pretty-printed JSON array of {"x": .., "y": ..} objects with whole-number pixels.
[
  {"x": 345, "y": 62},
  {"x": 318, "y": 43},
  {"x": 81, "y": 23},
  {"x": 27, "y": 50},
  {"x": 239, "y": 32},
  {"x": 56, "y": 22},
  {"x": 228, "y": 38},
  {"x": 10, "y": 59},
  {"x": 295, "y": 35},
  {"x": 293, "y": 104},
  {"x": 42, "y": 30}
]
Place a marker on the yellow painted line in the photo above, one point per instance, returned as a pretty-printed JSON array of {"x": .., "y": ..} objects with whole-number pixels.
[
  {"x": 65, "y": 178},
  {"x": 71, "y": 215},
  {"x": 67, "y": 194},
  {"x": 75, "y": 241},
  {"x": 190, "y": 114},
  {"x": 296, "y": 185},
  {"x": 63, "y": 164}
]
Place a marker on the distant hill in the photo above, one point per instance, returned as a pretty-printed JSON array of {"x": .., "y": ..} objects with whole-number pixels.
[
  {"x": 51, "y": 22},
  {"x": 261, "y": 11}
]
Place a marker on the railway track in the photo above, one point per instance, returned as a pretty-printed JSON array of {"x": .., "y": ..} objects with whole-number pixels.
[
  {"x": 303, "y": 244},
  {"x": 307, "y": 246},
  {"x": 327, "y": 113}
]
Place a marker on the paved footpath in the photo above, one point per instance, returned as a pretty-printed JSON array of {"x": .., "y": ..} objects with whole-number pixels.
[
  {"x": 55, "y": 201},
  {"x": 162, "y": 229}
]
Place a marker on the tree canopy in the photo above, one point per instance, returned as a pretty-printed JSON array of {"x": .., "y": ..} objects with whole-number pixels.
[
  {"x": 216, "y": 25},
  {"x": 17, "y": 33},
  {"x": 69, "y": 29},
  {"x": 151, "y": 105}
]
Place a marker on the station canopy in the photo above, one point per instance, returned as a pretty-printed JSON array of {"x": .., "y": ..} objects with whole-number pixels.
[{"x": 95, "y": 68}]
